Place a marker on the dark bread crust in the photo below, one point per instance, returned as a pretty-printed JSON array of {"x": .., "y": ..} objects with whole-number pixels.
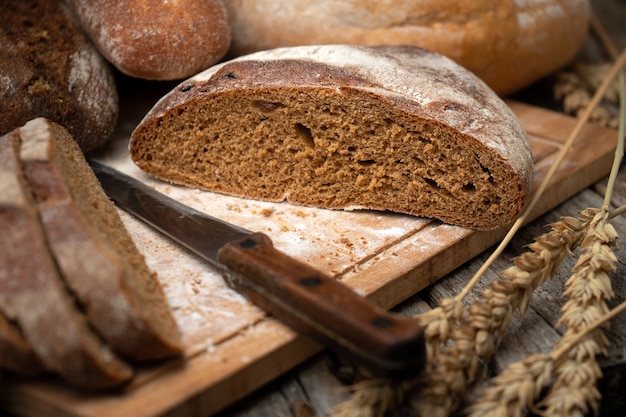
[
  {"x": 34, "y": 296},
  {"x": 340, "y": 127},
  {"x": 48, "y": 68}
]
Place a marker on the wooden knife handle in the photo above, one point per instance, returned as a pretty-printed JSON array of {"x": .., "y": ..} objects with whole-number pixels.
[{"x": 315, "y": 304}]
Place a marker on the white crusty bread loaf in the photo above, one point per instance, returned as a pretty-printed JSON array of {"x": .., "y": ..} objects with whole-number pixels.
[
  {"x": 340, "y": 127},
  {"x": 99, "y": 261},
  {"x": 155, "y": 39},
  {"x": 507, "y": 43},
  {"x": 32, "y": 292}
]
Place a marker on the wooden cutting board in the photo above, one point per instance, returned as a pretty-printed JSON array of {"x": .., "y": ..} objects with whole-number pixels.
[{"x": 232, "y": 348}]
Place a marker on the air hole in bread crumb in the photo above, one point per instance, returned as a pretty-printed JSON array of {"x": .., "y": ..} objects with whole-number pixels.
[
  {"x": 305, "y": 134},
  {"x": 367, "y": 162},
  {"x": 486, "y": 171},
  {"x": 435, "y": 185},
  {"x": 267, "y": 106},
  {"x": 469, "y": 188},
  {"x": 419, "y": 161}
]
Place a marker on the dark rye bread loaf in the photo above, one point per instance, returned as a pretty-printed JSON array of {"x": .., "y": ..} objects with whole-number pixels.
[
  {"x": 341, "y": 127},
  {"x": 32, "y": 292},
  {"x": 97, "y": 257},
  {"x": 49, "y": 68}
]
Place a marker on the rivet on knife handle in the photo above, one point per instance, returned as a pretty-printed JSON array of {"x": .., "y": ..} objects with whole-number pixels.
[{"x": 315, "y": 304}]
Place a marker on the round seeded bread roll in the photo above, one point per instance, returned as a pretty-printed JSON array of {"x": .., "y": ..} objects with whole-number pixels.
[
  {"x": 392, "y": 128},
  {"x": 155, "y": 39},
  {"x": 508, "y": 43}
]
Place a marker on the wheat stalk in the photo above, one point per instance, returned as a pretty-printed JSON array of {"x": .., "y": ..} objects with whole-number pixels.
[
  {"x": 374, "y": 398},
  {"x": 518, "y": 387},
  {"x": 574, "y": 392},
  {"x": 603, "y": 36},
  {"x": 514, "y": 389},
  {"x": 475, "y": 339},
  {"x": 588, "y": 288},
  {"x": 575, "y": 86}
]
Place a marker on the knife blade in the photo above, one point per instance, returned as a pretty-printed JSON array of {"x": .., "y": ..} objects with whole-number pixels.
[{"x": 307, "y": 300}]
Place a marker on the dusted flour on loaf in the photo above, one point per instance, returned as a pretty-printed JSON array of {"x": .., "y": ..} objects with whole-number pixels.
[{"x": 393, "y": 128}]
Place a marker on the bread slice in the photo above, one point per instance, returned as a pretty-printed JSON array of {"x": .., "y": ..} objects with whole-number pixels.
[
  {"x": 99, "y": 261},
  {"x": 393, "y": 128},
  {"x": 33, "y": 295}
]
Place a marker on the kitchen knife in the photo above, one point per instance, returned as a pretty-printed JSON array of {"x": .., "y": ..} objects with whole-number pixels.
[{"x": 305, "y": 299}]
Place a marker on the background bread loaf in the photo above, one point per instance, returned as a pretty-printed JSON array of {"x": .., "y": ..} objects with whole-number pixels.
[
  {"x": 340, "y": 127},
  {"x": 49, "y": 68},
  {"x": 154, "y": 39},
  {"x": 509, "y": 43}
]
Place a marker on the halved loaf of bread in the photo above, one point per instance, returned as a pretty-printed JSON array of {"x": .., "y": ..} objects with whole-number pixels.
[
  {"x": 32, "y": 292},
  {"x": 393, "y": 128},
  {"x": 98, "y": 259}
]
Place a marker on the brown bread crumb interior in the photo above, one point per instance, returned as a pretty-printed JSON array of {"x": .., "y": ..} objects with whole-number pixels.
[{"x": 329, "y": 148}]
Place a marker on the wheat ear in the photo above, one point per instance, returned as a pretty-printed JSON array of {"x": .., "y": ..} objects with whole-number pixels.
[
  {"x": 574, "y": 87},
  {"x": 518, "y": 387},
  {"x": 374, "y": 398},
  {"x": 475, "y": 339},
  {"x": 574, "y": 391},
  {"x": 589, "y": 287},
  {"x": 573, "y": 358}
]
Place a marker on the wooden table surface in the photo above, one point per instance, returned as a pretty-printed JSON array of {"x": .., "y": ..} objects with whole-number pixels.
[{"x": 315, "y": 387}]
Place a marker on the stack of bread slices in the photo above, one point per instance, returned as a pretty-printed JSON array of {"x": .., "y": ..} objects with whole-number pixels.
[{"x": 77, "y": 299}]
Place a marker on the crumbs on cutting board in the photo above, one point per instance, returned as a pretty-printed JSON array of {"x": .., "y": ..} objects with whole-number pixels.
[
  {"x": 267, "y": 211},
  {"x": 234, "y": 207}
]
